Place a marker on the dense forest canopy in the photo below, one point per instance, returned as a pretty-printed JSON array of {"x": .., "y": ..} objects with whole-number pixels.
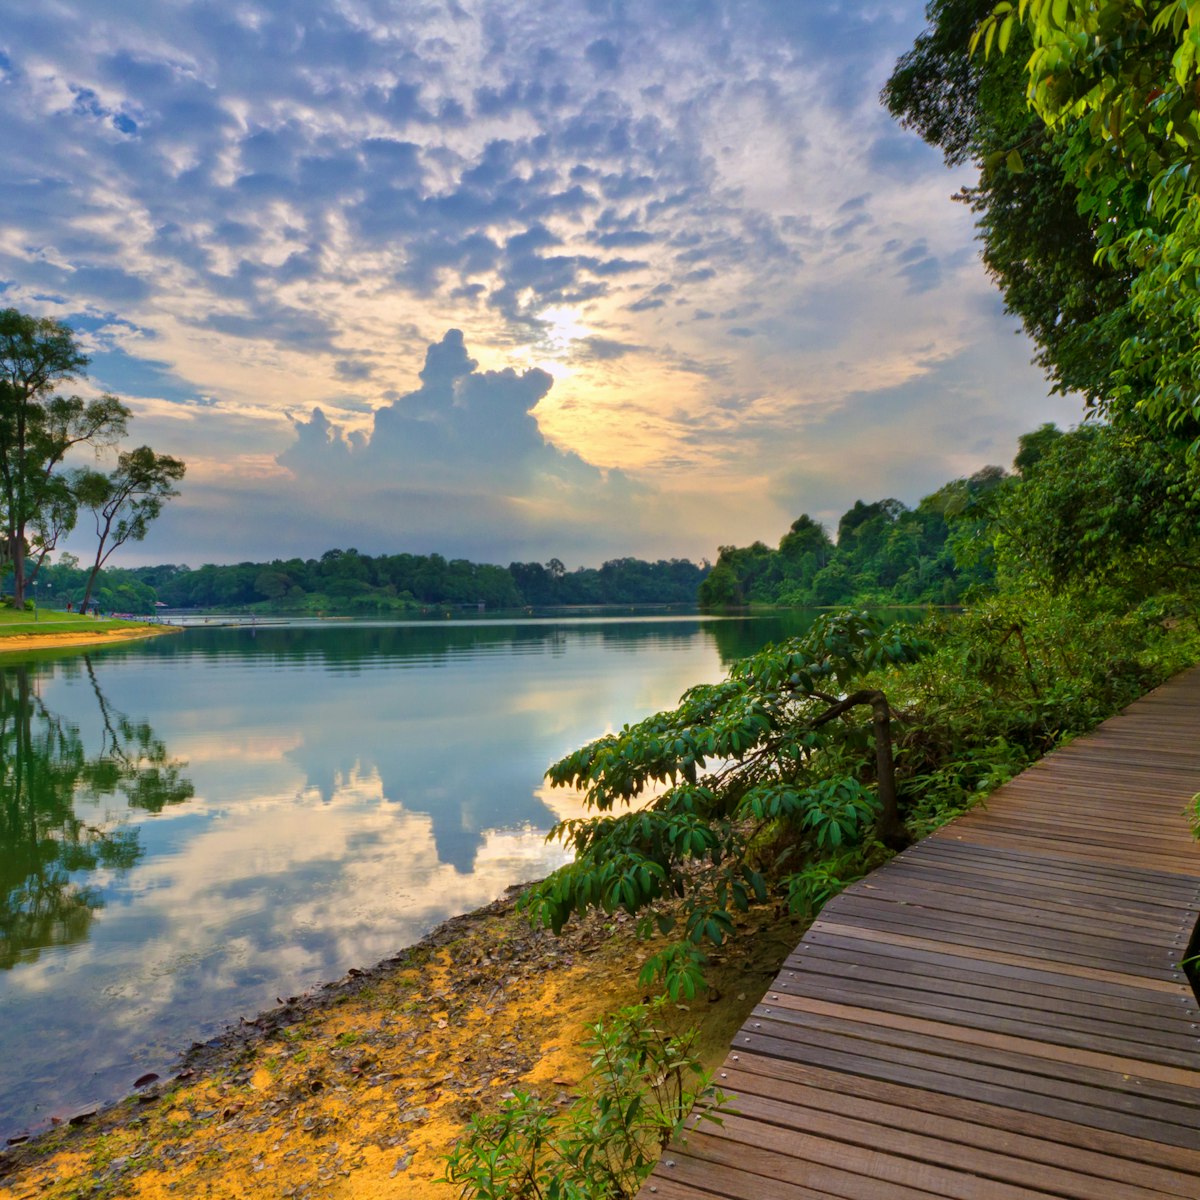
[{"x": 346, "y": 581}]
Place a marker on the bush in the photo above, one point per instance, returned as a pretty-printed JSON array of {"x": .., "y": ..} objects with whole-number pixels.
[
  {"x": 641, "y": 1087},
  {"x": 776, "y": 788}
]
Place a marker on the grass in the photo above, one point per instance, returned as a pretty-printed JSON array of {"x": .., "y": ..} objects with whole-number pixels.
[{"x": 51, "y": 621}]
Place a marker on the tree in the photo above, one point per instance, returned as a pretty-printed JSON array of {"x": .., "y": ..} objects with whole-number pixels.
[
  {"x": 1117, "y": 83},
  {"x": 720, "y": 588},
  {"x": 1033, "y": 447},
  {"x": 1038, "y": 245},
  {"x": 796, "y": 779},
  {"x": 54, "y": 520},
  {"x": 127, "y": 500},
  {"x": 38, "y": 428},
  {"x": 806, "y": 537},
  {"x": 1102, "y": 506}
]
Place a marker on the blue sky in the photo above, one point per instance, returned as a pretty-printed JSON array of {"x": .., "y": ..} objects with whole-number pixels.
[{"x": 504, "y": 280}]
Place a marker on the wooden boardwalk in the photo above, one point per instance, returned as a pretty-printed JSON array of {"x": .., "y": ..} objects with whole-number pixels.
[{"x": 999, "y": 1012}]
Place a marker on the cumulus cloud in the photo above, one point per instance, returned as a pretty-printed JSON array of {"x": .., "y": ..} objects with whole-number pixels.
[{"x": 461, "y": 453}]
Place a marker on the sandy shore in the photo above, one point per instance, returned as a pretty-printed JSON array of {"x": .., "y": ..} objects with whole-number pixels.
[{"x": 22, "y": 643}]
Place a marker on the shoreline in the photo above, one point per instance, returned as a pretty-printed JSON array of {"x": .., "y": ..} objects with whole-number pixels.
[
  {"x": 20, "y": 643},
  {"x": 366, "y": 1079}
]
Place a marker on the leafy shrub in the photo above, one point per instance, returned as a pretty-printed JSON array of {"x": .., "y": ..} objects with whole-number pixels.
[
  {"x": 795, "y": 774},
  {"x": 776, "y": 788},
  {"x": 640, "y": 1088}
]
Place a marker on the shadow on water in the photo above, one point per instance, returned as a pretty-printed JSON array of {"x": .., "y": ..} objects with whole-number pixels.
[{"x": 47, "y": 850}]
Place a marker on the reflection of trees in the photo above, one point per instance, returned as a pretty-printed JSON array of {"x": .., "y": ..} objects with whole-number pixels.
[
  {"x": 133, "y": 761},
  {"x": 738, "y": 639},
  {"x": 46, "y": 847},
  {"x": 352, "y": 647}
]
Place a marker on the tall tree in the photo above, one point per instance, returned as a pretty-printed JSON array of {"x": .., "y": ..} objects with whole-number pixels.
[
  {"x": 1116, "y": 83},
  {"x": 1038, "y": 244},
  {"x": 127, "y": 500},
  {"x": 38, "y": 428}
]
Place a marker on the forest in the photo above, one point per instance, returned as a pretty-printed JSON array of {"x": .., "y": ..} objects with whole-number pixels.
[
  {"x": 1103, "y": 503},
  {"x": 347, "y": 582}
]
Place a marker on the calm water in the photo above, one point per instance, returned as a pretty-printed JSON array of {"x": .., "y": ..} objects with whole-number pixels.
[{"x": 195, "y": 825}]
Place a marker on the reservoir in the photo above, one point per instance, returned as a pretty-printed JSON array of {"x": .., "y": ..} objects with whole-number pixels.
[{"x": 194, "y": 826}]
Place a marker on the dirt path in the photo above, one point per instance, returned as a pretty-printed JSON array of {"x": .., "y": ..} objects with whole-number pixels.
[{"x": 359, "y": 1088}]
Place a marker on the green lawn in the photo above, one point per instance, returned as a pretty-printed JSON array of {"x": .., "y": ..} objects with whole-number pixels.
[{"x": 50, "y": 620}]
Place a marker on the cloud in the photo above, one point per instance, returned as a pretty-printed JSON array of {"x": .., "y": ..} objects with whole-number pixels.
[{"x": 461, "y": 454}]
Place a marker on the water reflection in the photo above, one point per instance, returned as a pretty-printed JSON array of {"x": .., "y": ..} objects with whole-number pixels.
[
  {"x": 195, "y": 825},
  {"x": 47, "y": 849}
]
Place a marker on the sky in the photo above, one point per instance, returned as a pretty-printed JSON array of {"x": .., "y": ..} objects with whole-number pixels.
[{"x": 504, "y": 280}]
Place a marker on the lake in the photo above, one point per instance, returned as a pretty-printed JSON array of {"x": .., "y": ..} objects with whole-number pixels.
[{"x": 195, "y": 825}]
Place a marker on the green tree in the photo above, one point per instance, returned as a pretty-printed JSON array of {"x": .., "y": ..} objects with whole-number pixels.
[
  {"x": 38, "y": 428},
  {"x": 1038, "y": 245},
  {"x": 721, "y": 588},
  {"x": 1102, "y": 506},
  {"x": 125, "y": 501},
  {"x": 1116, "y": 81},
  {"x": 1033, "y": 447}
]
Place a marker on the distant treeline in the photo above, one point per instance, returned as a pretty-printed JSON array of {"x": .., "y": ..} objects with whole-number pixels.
[
  {"x": 346, "y": 581},
  {"x": 886, "y": 553}
]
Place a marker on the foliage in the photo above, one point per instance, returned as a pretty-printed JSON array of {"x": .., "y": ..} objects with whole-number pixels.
[
  {"x": 1106, "y": 506},
  {"x": 115, "y": 589},
  {"x": 1117, "y": 83},
  {"x": 753, "y": 790},
  {"x": 347, "y": 581},
  {"x": 37, "y": 430},
  {"x": 886, "y": 553},
  {"x": 1038, "y": 245},
  {"x": 39, "y": 498},
  {"x": 125, "y": 501},
  {"x": 795, "y": 775},
  {"x": 641, "y": 1086}
]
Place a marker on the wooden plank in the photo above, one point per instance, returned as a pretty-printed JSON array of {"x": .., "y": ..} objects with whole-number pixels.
[
  {"x": 872, "y": 1127},
  {"x": 1172, "y": 984},
  {"x": 1092, "y": 896},
  {"x": 1171, "y": 1169},
  {"x": 1152, "y": 961},
  {"x": 903, "y": 889},
  {"x": 1168, "y": 1046},
  {"x": 1130, "y": 1110},
  {"x": 1156, "y": 886},
  {"x": 1075, "y": 1009},
  {"x": 841, "y": 1169},
  {"x": 1146, "y": 1011},
  {"x": 983, "y": 1045}
]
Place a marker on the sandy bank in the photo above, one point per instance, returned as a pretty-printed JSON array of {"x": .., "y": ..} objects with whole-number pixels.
[
  {"x": 22, "y": 643},
  {"x": 359, "y": 1088}
]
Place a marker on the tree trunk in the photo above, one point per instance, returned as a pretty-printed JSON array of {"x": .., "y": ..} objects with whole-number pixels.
[
  {"x": 891, "y": 828},
  {"x": 87, "y": 592},
  {"x": 17, "y": 546}
]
